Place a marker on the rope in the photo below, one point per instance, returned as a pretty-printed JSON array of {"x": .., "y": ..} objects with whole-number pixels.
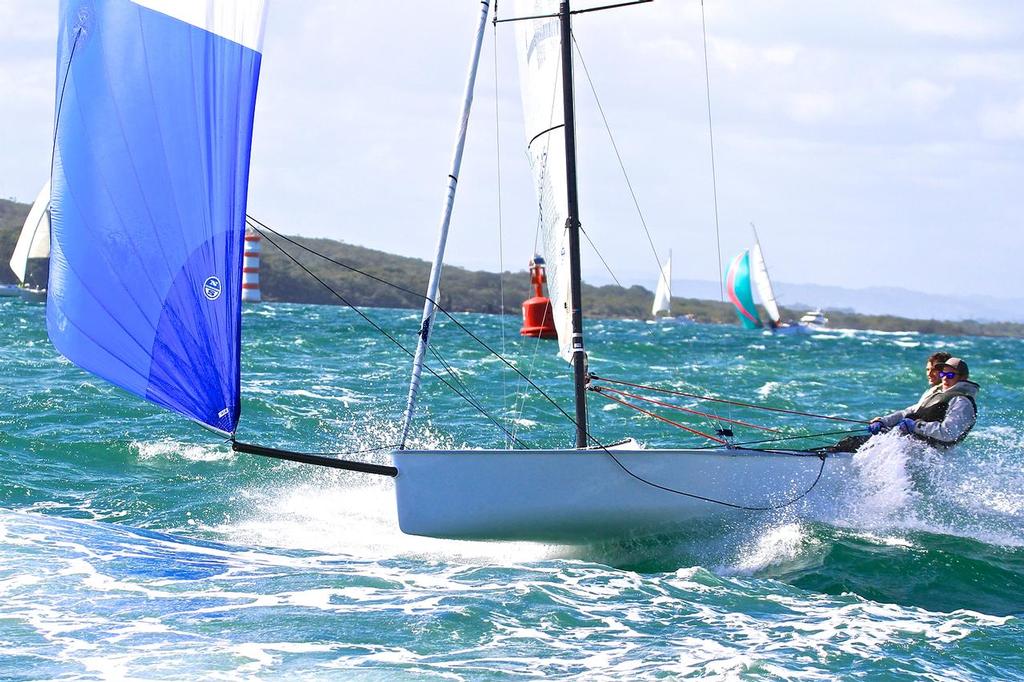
[
  {"x": 711, "y": 139},
  {"x": 60, "y": 101},
  {"x": 420, "y": 296},
  {"x": 622, "y": 165},
  {"x": 381, "y": 330},
  {"x": 764, "y": 408},
  {"x": 785, "y": 438},
  {"x": 603, "y": 389},
  {"x": 659, "y": 417},
  {"x": 772, "y": 507}
]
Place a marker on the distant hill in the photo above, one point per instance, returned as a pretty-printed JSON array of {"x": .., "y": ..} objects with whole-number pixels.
[{"x": 282, "y": 279}]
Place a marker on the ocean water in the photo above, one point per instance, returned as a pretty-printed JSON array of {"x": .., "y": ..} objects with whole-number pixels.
[{"x": 134, "y": 544}]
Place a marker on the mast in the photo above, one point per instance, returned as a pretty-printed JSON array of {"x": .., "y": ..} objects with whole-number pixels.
[
  {"x": 572, "y": 224},
  {"x": 429, "y": 305}
]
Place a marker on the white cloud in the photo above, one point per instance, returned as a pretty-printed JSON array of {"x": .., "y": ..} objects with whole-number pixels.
[
  {"x": 1004, "y": 66},
  {"x": 1003, "y": 122},
  {"x": 925, "y": 94},
  {"x": 945, "y": 19},
  {"x": 737, "y": 56},
  {"x": 812, "y": 107}
]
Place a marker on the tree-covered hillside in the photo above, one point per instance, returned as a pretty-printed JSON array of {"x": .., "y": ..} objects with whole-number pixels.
[{"x": 282, "y": 279}]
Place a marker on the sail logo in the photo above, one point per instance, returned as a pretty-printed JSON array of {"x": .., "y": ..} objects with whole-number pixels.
[{"x": 212, "y": 288}]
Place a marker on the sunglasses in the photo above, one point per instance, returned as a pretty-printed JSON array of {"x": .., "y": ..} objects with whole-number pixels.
[{"x": 947, "y": 375}]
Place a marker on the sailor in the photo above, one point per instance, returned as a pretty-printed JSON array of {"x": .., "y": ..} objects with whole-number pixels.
[
  {"x": 944, "y": 415},
  {"x": 931, "y": 372}
]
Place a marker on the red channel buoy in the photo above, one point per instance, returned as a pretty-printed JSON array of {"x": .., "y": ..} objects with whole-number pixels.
[{"x": 538, "y": 320}]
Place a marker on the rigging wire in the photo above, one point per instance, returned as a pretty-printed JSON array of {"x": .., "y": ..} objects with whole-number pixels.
[
  {"x": 716, "y": 439},
  {"x": 253, "y": 223},
  {"x": 618, "y": 156},
  {"x": 784, "y": 438},
  {"x": 711, "y": 138},
  {"x": 444, "y": 311},
  {"x": 629, "y": 185},
  {"x": 60, "y": 101},
  {"x": 601, "y": 256},
  {"x": 679, "y": 408},
  {"x": 594, "y": 377},
  {"x": 456, "y": 377}
]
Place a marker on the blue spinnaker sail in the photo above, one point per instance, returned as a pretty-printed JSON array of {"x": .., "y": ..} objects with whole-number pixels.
[{"x": 155, "y": 103}]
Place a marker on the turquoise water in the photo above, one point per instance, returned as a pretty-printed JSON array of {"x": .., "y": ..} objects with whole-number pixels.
[{"x": 134, "y": 544}]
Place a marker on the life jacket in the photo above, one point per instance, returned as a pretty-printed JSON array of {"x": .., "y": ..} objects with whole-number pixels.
[{"x": 933, "y": 408}]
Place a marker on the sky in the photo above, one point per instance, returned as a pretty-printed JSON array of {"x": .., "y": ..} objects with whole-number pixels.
[{"x": 873, "y": 143}]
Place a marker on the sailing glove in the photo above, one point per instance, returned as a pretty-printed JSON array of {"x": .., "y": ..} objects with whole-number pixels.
[
  {"x": 875, "y": 428},
  {"x": 907, "y": 425}
]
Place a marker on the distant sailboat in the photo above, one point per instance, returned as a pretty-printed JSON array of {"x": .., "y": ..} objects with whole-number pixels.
[
  {"x": 738, "y": 289},
  {"x": 749, "y": 268},
  {"x": 31, "y": 255},
  {"x": 662, "y": 306}
]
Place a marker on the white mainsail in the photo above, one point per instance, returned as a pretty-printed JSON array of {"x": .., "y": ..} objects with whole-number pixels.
[
  {"x": 759, "y": 273},
  {"x": 540, "y": 82},
  {"x": 663, "y": 293},
  {"x": 34, "y": 241}
]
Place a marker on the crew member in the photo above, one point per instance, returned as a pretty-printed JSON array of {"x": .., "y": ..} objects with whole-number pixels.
[
  {"x": 942, "y": 417},
  {"x": 931, "y": 372}
]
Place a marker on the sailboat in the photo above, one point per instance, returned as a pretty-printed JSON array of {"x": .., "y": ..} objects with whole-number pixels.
[
  {"x": 662, "y": 306},
  {"x": 31, "y": 254},
  {"x": 749, "y": 268},
  {"x": 593, "y": 491},
  {"x": 147, "y": 259}
]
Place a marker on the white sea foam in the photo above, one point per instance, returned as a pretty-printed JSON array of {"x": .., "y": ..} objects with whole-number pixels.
[
  {"x": 775, "y": 545},
  {"x": 883, "y": 490},
  {"x": 208, "y": 452}
]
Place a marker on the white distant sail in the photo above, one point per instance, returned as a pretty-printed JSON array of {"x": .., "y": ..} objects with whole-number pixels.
[
  {"x": 759, "y": 273},
  {"x": 663, "y": 293},
  {"x": 540, "y": 83},
  {"x": 34, "y": 241}
]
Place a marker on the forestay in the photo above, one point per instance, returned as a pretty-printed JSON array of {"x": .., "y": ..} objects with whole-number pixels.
[
  {"x": 540, "y": 82},
  {"x": 154, "y": 126}
]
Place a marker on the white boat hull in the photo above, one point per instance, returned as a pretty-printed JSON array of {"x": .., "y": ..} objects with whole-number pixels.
[
  {"x": 32, "y": 295},
  {"x": 572, "y": 496}
]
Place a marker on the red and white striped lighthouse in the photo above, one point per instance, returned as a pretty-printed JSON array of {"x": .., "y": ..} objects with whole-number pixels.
[{"x": 251, "y": 267}]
